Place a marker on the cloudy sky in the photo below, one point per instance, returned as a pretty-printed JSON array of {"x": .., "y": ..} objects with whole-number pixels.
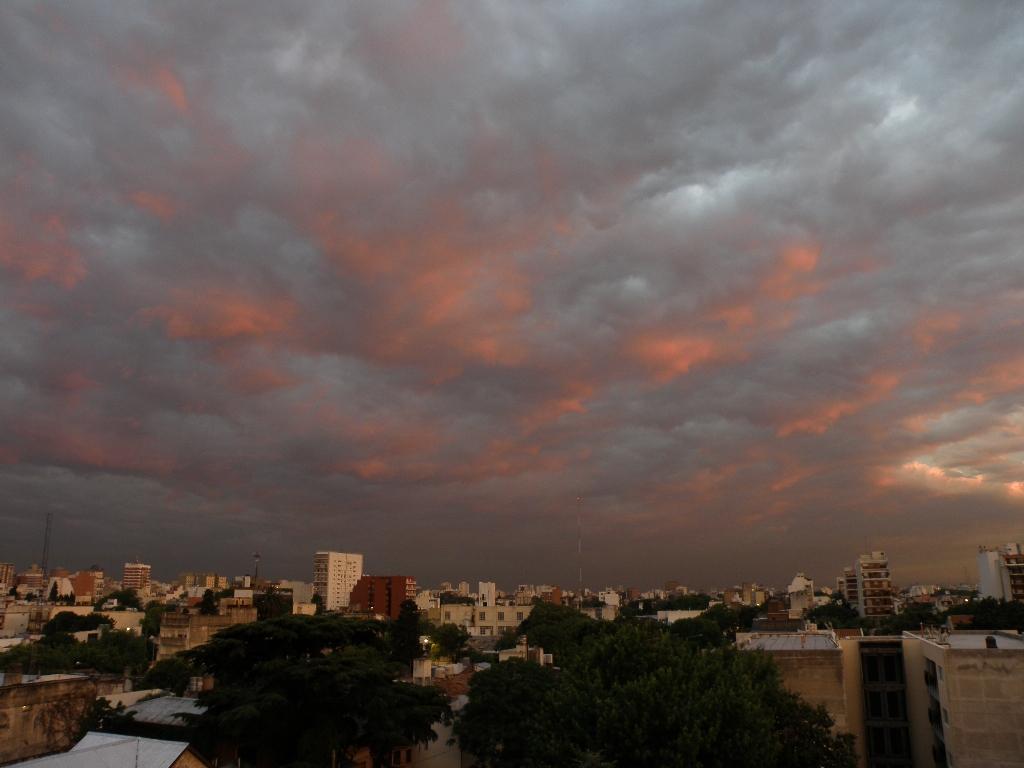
[{"x": 407, "y": 278}]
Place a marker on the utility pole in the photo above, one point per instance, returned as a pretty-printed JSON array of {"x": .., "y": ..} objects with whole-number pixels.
[{"x": 45, "y": 564}]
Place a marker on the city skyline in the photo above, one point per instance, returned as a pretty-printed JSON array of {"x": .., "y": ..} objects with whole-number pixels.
[{"x": 406, "y": 280}]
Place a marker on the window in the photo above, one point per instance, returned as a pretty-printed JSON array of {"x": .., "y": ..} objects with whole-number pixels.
[
  {"x": 945, "y": 716},
  {"x": 447, "y": 615},
  {"x": 501, "y": 615},
  {"x": 519, "y": 615},
  {"x": 483, "y": 615},
  {"x": 940, "y": 673}
]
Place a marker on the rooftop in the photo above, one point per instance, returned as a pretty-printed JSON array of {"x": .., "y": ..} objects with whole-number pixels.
[
  {"x": 109, "y": 750},
  {"x": 973, "y": 640},
  {"x": 165, "y": 710},
  {"x": 787, "y": 641}
]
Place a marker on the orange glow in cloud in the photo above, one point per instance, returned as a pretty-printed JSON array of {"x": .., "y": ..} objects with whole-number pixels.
[
  {"x": 572, "y": 400},
  {"x": 669, "y": 356},
  {"x": 158, "y": 205},
  {"x": 998, "y": 379},
  {"x": 934, "y": 328},
  {"x": 791, "y": 276},
  {"x": 161, "y": 79},
  {"x": 41, "y": 251},
  {"x": 216, "y": 315},
  {"x": 823, "y": 416}
]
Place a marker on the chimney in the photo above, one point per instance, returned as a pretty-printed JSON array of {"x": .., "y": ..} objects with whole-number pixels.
[{"x": 990, "y": 642}]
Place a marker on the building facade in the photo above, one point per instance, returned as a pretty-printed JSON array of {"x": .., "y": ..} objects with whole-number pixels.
[
  {"x": 6, "y": 576},
  {"x": 335, "y": 575},
  {"x": 382, "y": 595},
  {"x": 874, "y": 586},
  {"x": 136, "y": 576},
  {"x": 1001, "y": 572}
]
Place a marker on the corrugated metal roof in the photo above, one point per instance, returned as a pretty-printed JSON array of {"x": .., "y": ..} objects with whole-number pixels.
[
  {"x": 165, "y": 710},
  {"x": 111, "y": 750}
]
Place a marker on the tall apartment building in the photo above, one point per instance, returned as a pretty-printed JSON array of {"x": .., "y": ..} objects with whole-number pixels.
[
  {"x": 335, "y": 575},
  {"x": 382, "y": 595},
  {"x": 136, "y": 576},
  {"x": 874, "y": 586},
  {"x": 1001, "y": 572},
  {"x": 801, "y": 595},
  {"x": 6, "y": 577},
  {"x": 846, "y": 585}
]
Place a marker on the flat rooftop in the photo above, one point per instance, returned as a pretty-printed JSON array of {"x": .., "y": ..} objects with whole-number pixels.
[
  {"x": 974, "y": 640},
  {"x": 787, "y": 641}
]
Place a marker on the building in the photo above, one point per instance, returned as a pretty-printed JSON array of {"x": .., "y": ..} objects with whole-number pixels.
[
  {"x": 40, "y": 714},
  {"x": 874, "y": 587},
  {"x": 801, "y": 596},
  {"x": 204, "y": 581},
  {"x": 185, "y": 631},
  {"x": 6, "y": 577},
  {"x": 87, "y": 585},
  {"x": 487, "y": 594},
  {"x": 846, "y": 586},
  {"x": 31, "y": 580},
  {"x": 479, "y": 620},
  {"x": 113, "y": 750},
  {"x": 334, "y": 577},
  {"x": 921, "y": 700},
  {"x": 136, "y": 576},
  {"x": 382, "y": 595},
  {"x": 1001, "y": 572}
]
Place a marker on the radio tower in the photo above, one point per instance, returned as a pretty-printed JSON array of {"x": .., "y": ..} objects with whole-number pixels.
[
  {"x": 45, "y": 564},
  {"x": 579, "y": 549}
]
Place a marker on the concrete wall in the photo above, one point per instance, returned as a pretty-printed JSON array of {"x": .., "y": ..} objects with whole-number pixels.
[
  {"x": 982, "y": 692},
  {"x": 41, "y": 717},
  {"x": 817, "y": 677},
  {"x": 921, "y": 736},
  {"x": 852, "y": 683}
]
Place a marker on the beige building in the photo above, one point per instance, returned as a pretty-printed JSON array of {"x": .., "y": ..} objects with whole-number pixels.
[
  {"x": 874, "y": 586},
  {"x": 41, "y": 714},
  {"x": 6, "y": 577},
  {"x": 927, "y": 700},
  {"x": 335, "y": 575},
  {"x": 1001, "y": 572},
  {"x": 480, "y": 620},
  {"x": 136, "y": 576},
  {"x": 185, "y": 631}
]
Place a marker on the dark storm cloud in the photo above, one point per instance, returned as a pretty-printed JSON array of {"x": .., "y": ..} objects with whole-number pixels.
[{"x": 407, "y": 278}]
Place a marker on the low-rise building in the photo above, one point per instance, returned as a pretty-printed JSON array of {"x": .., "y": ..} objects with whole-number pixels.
[
  {"x": 41, "y": 714},
  {"x": 181, "y": 631},
  {"x": 382, "y": 595}
]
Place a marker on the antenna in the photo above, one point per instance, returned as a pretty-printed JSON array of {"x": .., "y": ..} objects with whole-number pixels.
[
  {"x": 579, "y": 547},
  {"x": 255, "y": 567},
  {"x": 46, "y": 555}
]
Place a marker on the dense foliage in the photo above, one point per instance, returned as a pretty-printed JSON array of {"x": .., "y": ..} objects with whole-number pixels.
[
  {"x": 126, "y": 598},
  {"x": 449, "y": 641},
  {"x": 295, "y": 689},
  {"x": 66, "y": 621},
  {"x": 171, "y": 674},
  {"x": 404, "y": 634},
  {"x": 114, "y": 651},
  {"x": 631, "y": 693}
]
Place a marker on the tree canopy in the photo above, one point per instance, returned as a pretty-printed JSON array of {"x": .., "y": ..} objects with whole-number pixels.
[
  {"x": 66, "y": 621},
  {"x": 171, "y": 674},
  {"x": 635, "y": 694},
  {"x": 294, "y": 689},
  {"x": 126, "y": 598},
  {"x": 114, "y": 651}
]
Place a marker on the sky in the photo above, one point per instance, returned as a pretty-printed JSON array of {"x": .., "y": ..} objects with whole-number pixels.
[{"x": 407, "y": 279}]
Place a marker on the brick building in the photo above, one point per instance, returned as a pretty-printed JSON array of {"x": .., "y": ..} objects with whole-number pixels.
[{"x": 382, "y": 595}]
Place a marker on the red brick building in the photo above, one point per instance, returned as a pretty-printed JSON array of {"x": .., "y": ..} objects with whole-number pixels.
[{"x": 382, "y": 595}]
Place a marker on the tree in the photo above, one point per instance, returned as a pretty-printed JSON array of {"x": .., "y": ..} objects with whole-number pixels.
[
  {"x": 450, "y": 640},
  {"x": 66, "y": 621},
  {"x": 699, "y": 632},
  {"x": 208, "y": 606},
  {"x": 171, "y": 674},
  {"x": 405, "y": 634},
  {"x": 53, "y": 593},
  {"x": 126, "y": 598},
  {"x": 114, "y": 651},
  {"x": 837, "y": 614},
  {"x": 296, "y": 689},
  {"x": 154, "y": 617},
  {"x": 506, "y": 722},
  {"x": 318, "y": 602},
  {"x": 636, "y": 695},
  {"x": 559, "y": 630},
  {"x": 271, "y": 603}
]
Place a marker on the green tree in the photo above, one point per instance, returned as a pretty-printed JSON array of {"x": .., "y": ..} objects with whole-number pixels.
[
  {"x": 506, "y": 723},
  {"x": 208, "y": 605},
  {"x": 295, "y": 689},
  {"x": 171, "y": 674},
  {"x": 699, "y": 632},
  {"x": 66, "y": 621},
  {"x": 126, "y": 598},
  {"x": 450, "y": 640},
  {"x": 318, "y": 602},
  {"x": 990, "y": 613},
  {"x": 837, "y": 614},
  {"x": 405, "y": 634},
  {"x": 53, "y": 593},
  {"x": 114, "y": 651},
  {"x": 154, "y": 617},
  {"x": 560, "y": 630},
  {"x": 271, "y": 603}
]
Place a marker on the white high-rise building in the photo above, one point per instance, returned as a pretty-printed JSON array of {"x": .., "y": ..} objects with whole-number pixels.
[
  {"x": 334, "y": 576},
  {"x": 487, "y": 594},
  {"x": 1001, "y": 572},
  {"x": 801, "y": 596}
]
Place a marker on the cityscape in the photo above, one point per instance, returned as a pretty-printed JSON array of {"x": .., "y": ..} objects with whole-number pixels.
[{"x": 504, "y": 384}]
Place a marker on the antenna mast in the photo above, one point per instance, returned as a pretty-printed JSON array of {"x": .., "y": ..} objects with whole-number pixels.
[
  {"x": 579, "y": 548},
  {"x": 45, "y": 564}
]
